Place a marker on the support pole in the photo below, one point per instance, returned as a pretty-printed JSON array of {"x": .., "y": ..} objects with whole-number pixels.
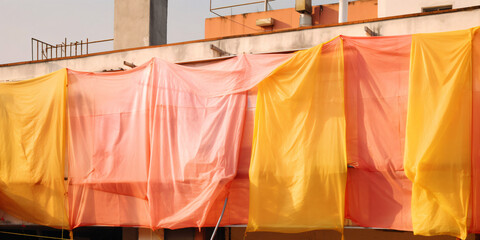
[{"x": 342, "y": 11}]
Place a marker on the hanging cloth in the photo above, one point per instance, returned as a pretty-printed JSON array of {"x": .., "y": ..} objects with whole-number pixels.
[
  {"x": 298, "y": 169},
  {"x": 438, "y": 132},
  {"x": 376, "y": 94},
  {"x": 32, "y": 136},
  {"x": 167, "y": 140},
  {"x": 475, "y": 223}
]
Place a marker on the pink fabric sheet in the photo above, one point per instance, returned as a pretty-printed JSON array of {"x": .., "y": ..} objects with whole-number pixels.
[
  {"x": 157, "y": 145},
  {"x": 376, "y": 91}
]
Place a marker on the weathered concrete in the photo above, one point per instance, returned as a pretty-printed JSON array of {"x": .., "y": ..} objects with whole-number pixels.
[
  {"x": 131, "y": 23},
  {"x": 158, "y": 22},
  {"x": 274, "y": 42},
  {"x": 140, "y": 23}
]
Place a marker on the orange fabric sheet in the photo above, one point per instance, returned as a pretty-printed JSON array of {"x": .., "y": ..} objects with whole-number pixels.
[
  {"x": 164, "y": 134},
  {"x": 475, "y": 195},
  {"x": 438, "y": 132},
  {"x": 376, "y": 92},
  {"x": 108, "y": 153},
  {"x": 298, "y": 169}
]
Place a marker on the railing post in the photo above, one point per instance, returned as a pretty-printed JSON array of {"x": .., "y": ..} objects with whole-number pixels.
[
  {"x": 42, "y": 48},
  {"x": 65, "y": 47}
]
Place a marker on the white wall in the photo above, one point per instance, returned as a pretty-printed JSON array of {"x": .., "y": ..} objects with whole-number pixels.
[{"x": 387, "y": 8}]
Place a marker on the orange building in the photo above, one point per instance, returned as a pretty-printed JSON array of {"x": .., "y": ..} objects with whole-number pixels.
[{"x": 286, "y": 19}]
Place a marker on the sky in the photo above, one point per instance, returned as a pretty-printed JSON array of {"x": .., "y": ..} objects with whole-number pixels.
[{"x": 52, "y": 21}]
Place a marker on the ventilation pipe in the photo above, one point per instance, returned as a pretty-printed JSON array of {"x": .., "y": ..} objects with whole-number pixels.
[
  {"x": 342, "y": 11},
  {"x": 304, "y": 7}
]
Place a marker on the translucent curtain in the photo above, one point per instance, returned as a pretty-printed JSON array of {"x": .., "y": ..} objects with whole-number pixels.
[
  {"x": 159, "y": 144},
  {"x": 32, "y": 136},
  {"x": 438, "y": 132},
  {"x": 298, "y": 169},
  {"x": 198, "y": 122},
  {"x": 376, "y": 94},
  {"x": 109, "y": 147},
  {"x": 236, "y": 212},
  {"x": 195, "y": 142},
  {"x": 475, "y": 213}
]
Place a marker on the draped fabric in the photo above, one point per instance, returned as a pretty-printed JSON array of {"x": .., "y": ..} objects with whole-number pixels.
[
  {"x": 298, "y": 169},
  {"x": 160, "y": 143},
  {"x": 475, "y": 216},
  {"x": 236, "y": 212},
  {"x": 32, "y": 136},
  {"x": 438, "y": 132},
  {"x": 108, "y": 147},
  {"x": 376, "y": 94}
]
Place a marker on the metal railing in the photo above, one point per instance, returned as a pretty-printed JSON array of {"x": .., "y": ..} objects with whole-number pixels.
[
  {"x": 42, "y": 50},
  {"x": 264, "y": 2}
]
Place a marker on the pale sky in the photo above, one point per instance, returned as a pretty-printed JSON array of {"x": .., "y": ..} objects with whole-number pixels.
[{"x": 54, "y": 20}]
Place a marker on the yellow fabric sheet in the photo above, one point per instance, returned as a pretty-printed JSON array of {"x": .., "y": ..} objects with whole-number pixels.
[
  {"x": 437, "y": 150},
  {"x": 298, "y": 168},
  {"x": 32, "y": 127}
]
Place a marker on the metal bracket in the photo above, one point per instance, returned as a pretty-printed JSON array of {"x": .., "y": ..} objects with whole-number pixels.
[
  {"x": 129, "y": 64},
  {"x": 370, "y": 32},
  {"x": 219, "y": 51}
]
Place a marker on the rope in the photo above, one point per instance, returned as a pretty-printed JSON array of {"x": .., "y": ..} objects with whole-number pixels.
[{"x": 29, "y": 235}]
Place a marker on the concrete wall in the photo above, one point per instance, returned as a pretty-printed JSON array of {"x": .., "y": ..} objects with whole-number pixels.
[
  {"x": 131, "y": 23},
  {"x": 252, "y": 44},
  {"x": 158, "y": 22},
  {"x": 387, "y": 8},
  {"x": 140, "y": 23}
]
